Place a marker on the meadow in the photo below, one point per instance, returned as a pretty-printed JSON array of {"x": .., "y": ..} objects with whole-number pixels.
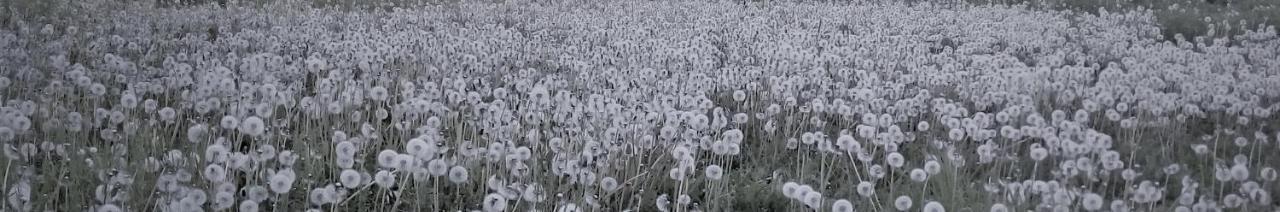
[{"x": 634, "y": 105}]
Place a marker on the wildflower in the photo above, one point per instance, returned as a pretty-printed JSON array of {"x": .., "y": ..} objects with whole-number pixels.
[
  {"x": 248, "y": 206},
  {"x": 955, "y": 134},
  {"x": 894, "y": 159},
  {"x": 714, "y": 172},
  {"x": 286, "y": 158},
  {"x": 387, "y": 158},
  {"x": 458, "y": 174},
  {"x": 662, "y": 201},
  {"x": 533, "y": 193},
  {"x": 494, "y": 202},
  {"x": 349, "y": 178},
  {"x": 847, "y": 143},
  {"x": 229, "y": 122},
  {"x": 609, "y": 184},
  {"x": 109, "y": 208},
  {"x": 842, "y": 205},
  {"x": 933, "y": 206},
  {"x": 813, "y": 199},
  {"x": 999, "y": 207},
  {"x": 281, "y": 183},
  {"x": 1091, "y": 202},
  {"x": 6, "y": 134},
  {"x": 902, "y": 203},
  {"x": 932, "y": 167},
  {"x": 167, "y": 114},
  {"x": 437, "y": 167},
  {"x": 252, "y": 126},
  {"x": 1038, "y": 153},
  {"x": 223, "y": 200},
  {"x": 918, "y": 175},
  {"x": 256, "y": 193},
  {"x": 1119, "y": 206},
  {"x": 384, "y": 179},
  {"x": 569, "y": 207},
  {"x": 214, "y": 173},
  {"x": 677, "y": 174},
  {"x": 790, "y": 189},
  {"x": 378, "y": 93},
  {"x": 865, "y": 189}
]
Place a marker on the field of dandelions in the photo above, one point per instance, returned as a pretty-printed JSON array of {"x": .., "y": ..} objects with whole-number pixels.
[{"x": 633, "y": 106}]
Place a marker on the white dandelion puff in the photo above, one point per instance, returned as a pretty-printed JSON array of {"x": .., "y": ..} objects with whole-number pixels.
[
  {"x": 842, "y": 205},
  {"x": 349, "y": 178},
  {"x": 384, "y": 179},
  {"x": 933, "y": 206},
  {"x": 714, "y": 172},
  {"x": 902, "y": 203},
  {"x": 494, "y": 202},
  {"x": 458, "y": 174}
]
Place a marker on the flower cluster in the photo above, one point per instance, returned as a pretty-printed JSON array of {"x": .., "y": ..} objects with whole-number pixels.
[{"x": 633, "y": 106}]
